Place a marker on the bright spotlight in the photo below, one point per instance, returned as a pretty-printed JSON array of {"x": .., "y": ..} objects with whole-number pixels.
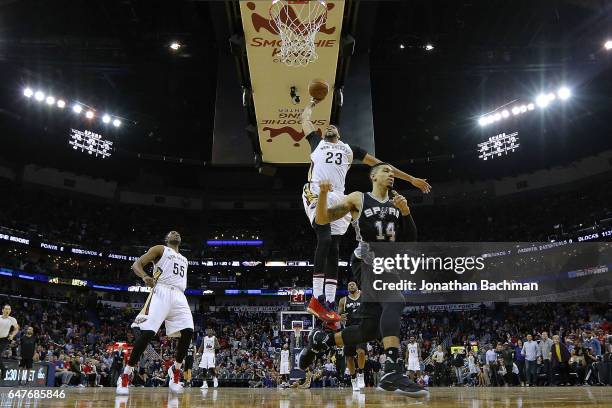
[
  {"x": 39, "y": 96},
  {"x": 61, "y": 104},
  {"x": 516, "y": 110},
  {"x": 106, "y": 118},
  {"x": 175, "y": 46},
  {"x": 89, "y": 114},
  {"x": 429, "y": 47},
  {"x": 523, "y": 109},
  {"x": 564, "y": 93},
  {"x": 77, "y": 108},
  {"x": 497, "y": 116},
  {"x": 551, "y": 96},
  {"x": 505, "y": 113},
  {"x": 28, "y": 92},
  {"x": 402, "y": 46},
  {"x": 608, "y": 45},
  {"x": 116, "y": 123},
  {"x": 50, "y": 100},
  {"x": 483, "y": 121},
  {"x": 531, "y": 107},
  {"x": 542, "y": 100}
]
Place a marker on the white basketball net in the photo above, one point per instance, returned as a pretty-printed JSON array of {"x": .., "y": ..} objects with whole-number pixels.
[{"x": 297, "y": 23}]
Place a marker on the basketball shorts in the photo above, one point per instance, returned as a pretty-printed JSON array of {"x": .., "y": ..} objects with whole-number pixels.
[
  {"x": 207, "y": 361},
  {"x": 309, "y": 199},
  {"x": 284, "y": 368},
  {"x": 351, "y": 351},
  {"x": 168, "y": 305},
  {"x": 413, "y": 364}
]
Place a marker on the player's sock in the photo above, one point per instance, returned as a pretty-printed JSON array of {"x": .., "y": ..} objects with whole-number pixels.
[
  {"x": 330, "y": 290},
  {"x": 183, "y": 345},
  {"x": 392, "y": 354},
  {"x": 128, "y": 369},
  {"x": 324, "y": 243},
  {"x": 317, "y": 285}
]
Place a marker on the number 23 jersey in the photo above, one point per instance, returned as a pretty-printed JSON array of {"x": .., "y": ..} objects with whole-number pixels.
[{"x": 171, "y": 269}]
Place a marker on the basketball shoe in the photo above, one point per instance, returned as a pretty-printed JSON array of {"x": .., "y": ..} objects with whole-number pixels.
[
  {"x": 319, "y": 308},
  {"x": 175, "y": 380}
]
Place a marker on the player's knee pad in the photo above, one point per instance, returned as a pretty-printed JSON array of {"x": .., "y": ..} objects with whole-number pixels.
[
  {"x": 145, "y": 336},
  {"x": 390, "y": 319},
  {"x": 187, "y": 333}
]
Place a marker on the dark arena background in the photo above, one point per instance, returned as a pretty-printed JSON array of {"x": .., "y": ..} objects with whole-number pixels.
[{"x": 121, "y": 121}]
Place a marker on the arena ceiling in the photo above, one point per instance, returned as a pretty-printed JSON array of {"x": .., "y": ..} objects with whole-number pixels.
[{"x": 115, "y": 55}]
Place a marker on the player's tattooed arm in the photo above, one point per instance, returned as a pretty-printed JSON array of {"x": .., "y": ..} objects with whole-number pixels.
[
  {"x": 419, "y": 183},
  {"x": 307, "y": 125},
  {"x": 350, "y": 204},
  {"x": 150, "y": 256}
]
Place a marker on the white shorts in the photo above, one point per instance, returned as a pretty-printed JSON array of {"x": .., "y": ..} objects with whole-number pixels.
[
  {"x": 309, "y": 199},
  {"x": 207, "y": 361},
  {"x": 284, "y": 368},
  {"x": 414, "y": 365},
  {"x": 168, "y": 305}
]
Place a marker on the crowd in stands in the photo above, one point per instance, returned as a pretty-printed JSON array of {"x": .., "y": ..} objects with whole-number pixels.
[
  {"x": 494, "y": 345},
  {"x": 60, "y": 217}
]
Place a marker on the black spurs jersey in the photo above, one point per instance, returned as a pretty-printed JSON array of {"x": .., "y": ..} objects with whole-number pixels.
[
  {"x": 378, "y": 221},
  {"x": 350, "y": 308}
]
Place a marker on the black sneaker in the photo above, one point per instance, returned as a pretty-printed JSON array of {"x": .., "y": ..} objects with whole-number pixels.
[{"x": 399, "y": 383}]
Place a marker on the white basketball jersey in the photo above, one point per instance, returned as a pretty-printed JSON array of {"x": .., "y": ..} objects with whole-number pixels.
[
  {"x": 284, "y": 356},
  {"x": 413, "y": 351},
  {"x": 171, "y": 269},
  {"x": 209, "y": 344},
  {"x": 330, "y": 162}
]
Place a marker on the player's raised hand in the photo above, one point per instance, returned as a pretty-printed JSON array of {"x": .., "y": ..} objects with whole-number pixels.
[
  {"x": 313, "y": 102},
  {"x": 325, "y": 186},
  {"x": 149, "y": 281},
  {"x": 400, "y": 202},
  {"x": 421, "y": 184}
]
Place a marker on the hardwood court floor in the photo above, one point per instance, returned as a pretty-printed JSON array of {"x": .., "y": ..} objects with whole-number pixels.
[{"x": 322, "y": 398}]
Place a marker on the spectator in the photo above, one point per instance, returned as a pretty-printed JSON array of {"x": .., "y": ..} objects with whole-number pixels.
[
  {"x": 531, "y": 353},
  {"x": 544, "y": 346},
  {"x": 27, "y": 350},
  {"x": 559, "y": 360}
]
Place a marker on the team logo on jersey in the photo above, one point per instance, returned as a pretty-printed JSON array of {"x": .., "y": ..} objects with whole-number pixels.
[{"x": 383, "y": 212}]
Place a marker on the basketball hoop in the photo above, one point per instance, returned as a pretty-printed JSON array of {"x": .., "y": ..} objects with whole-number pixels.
[{"x": 297, "y": 23}]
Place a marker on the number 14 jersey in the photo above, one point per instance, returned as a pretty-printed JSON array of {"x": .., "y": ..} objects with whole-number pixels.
[{"x": 378, "y": 221}]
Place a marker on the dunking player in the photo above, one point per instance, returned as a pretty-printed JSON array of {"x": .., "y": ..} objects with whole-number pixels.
[
  {"x": 330, "y": 160},
  {"x": 166, "y": 304},
  {"x": 377, "y": 218},
  {"x": 207, "y": 349},
  {"x": 347, "y": 308}
]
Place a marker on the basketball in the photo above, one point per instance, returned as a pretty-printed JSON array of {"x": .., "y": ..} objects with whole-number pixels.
[{"x": 318, "y": 89}]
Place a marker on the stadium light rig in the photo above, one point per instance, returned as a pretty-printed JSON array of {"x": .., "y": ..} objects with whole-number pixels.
[
  {"x": 77, "y": 107},
  {"x": 542, "y": 101}
]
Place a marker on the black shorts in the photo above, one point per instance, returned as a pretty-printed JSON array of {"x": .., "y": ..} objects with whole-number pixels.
[
  {"x": 26, "y": 363},
  {"x": 351, "y": 351},
  {"x": 188, "y": 362}
]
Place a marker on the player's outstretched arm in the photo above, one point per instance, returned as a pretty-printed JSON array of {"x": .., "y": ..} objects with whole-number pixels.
[
  {"x": 150, "y": 256},
  {"x": 324, "y": 215},
  {"x": 419, "y": 183},
  {"x": 307, "y": 125}
]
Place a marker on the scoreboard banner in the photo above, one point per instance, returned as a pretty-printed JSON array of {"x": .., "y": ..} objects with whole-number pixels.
[
  {"x": 41, "y": 374},
  {"x": 278, "y": 116}
]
